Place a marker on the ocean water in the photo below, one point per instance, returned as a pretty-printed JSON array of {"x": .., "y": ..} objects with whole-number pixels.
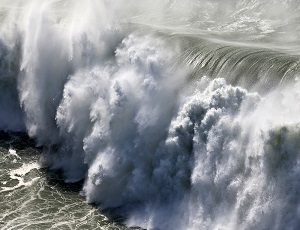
[
  {"x": 152, "y": 114},
  {"x": 35, "y": 198}
]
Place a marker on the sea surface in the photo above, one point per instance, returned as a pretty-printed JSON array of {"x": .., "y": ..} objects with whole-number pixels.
[
  {"x": 36, "y": 198},
  {"x": 154, "y": 114}
]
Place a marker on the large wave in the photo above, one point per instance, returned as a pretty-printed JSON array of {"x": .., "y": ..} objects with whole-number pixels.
[{"x": 183, "y": 115}]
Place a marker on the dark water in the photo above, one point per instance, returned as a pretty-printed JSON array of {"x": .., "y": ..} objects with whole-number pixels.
[{"x": 36, "y": 198}]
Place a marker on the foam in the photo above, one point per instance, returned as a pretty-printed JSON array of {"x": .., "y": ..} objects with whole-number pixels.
[
  {"x": 114, "y": 106},
  {"x": 18, "y": 174}
]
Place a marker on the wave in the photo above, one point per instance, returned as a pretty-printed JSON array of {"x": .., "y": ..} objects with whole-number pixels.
[
  {"x": 184, "y": 124},
  {"x": 254, "y": 68}
]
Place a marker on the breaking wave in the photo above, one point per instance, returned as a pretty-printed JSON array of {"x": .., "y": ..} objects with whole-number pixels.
[{"x": 178, "y": 116}]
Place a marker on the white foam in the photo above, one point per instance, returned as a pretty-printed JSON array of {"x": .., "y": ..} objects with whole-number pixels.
[
  {"x": 114, "y": 107},
  {"x": 18, "y": 174},
  {"x": 13, "y": 153}
]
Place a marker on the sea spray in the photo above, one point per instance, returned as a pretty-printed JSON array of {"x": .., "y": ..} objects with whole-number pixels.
[
  {"x": 11, "y": 116},
  {"x": 242, "y": 163},
  {"x": 175, "y": 115}
]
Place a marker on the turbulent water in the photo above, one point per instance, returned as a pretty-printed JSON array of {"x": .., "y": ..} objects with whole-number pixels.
[
  {"x": 32, "y": 198},
  {"x": 174, "y": 114}
]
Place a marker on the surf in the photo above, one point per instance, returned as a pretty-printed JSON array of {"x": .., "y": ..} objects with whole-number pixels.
[{"x": 177, "y": 117}]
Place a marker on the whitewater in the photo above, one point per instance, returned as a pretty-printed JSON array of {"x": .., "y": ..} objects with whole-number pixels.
[{"x": 171, "y": 114}]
